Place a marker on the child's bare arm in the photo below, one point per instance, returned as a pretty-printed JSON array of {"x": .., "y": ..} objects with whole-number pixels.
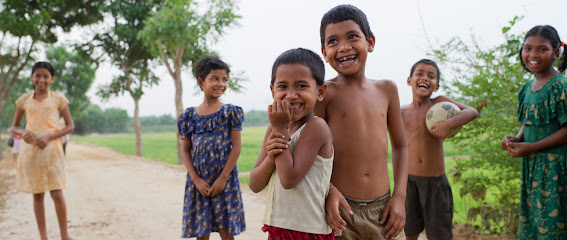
[
  {"x": 292, "y": 166},
  {"x": 220, "y": 183},
  {"x": 466, "y": 115},
  {"x": 394, "y": 216},
  {"x": 27, "y": 136},
  {"x": 273, "y": 144},
  {"x": 200, "y": 183}
]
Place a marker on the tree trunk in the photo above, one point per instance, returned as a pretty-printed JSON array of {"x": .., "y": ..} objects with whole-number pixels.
[
  {"x": 178, "y": 107},
  {"x": 138, "y": 127},
  {"x": 3, "y": 98}
]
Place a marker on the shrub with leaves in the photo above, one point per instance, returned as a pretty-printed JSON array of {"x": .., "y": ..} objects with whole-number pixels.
[{"x": 489, "y": 79}]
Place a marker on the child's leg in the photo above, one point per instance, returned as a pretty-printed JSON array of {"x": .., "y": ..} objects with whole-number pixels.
[
  {"x": 224, "y": 234},
  {"x": 414, "y": 237},
  {"x": 206, "y": 237},
  {"x": 61, "y": 210},
  {"x": 40, "y": 214}
]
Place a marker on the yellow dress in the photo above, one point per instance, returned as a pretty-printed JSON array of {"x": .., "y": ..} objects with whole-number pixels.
[{"x": 40, "y": 170}]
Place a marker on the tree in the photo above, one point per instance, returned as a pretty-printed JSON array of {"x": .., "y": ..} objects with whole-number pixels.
[
  {"x": 123, "y": 48},
  {"x": 25, "y": 24},
  {"x": 489, "y": 79},
  {"x": 74, "y": 76},
  {"x": 178, "y": 33}
]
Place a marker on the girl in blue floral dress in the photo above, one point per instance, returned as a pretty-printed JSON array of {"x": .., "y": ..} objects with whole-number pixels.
[
  {"x": 542, "y": 139},
  {"x": 210, "y": 134}
]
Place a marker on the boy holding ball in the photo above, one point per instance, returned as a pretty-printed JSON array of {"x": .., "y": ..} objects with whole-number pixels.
[{"x": 429, "y": 200}]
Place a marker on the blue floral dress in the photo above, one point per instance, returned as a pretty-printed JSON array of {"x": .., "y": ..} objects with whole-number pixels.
[
  {"x": 211, "y": 145},
  {"x": 543, "y": 205}
]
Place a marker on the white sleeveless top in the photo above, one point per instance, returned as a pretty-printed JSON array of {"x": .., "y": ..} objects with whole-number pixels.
[{"x": 301, "y": 208}]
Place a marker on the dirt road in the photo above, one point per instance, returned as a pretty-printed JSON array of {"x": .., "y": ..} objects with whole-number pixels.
[{"x": 113, "y": 196}]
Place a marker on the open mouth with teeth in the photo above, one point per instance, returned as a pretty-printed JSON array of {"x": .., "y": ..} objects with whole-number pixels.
[
  {"x": 347, "y": 60},
  {"x": 296, "y": 106},
  {"x": 423, "y": 86}
]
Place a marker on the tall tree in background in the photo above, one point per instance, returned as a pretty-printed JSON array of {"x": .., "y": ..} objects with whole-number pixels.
[
  {"x": 25, "y": 24},
  {"x": 179, "y": 34},
  {"x": 123, "y": 48},
  {"x": 74, "y": 76},
  {"x": 490, "y": 79}
]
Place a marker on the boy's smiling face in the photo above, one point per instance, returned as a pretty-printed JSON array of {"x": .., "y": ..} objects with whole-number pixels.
[
  {"x": 295, "y": 83},
  {"x": 346, "y": 47},
  {"x": 424, "y": 81}
]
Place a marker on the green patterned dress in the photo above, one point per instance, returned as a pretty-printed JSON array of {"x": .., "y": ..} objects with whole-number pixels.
[{"x": 543, "y": 204}]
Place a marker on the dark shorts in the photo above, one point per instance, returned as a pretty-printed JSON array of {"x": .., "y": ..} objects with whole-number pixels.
[{"x": 429, "y": 205}]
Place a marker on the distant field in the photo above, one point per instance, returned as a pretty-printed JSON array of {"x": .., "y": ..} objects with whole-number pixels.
[{"x": 161, "y": 147}]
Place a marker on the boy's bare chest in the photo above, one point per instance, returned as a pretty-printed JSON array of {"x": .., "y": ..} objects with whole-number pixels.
[
  {"x": 358, "y": 107},
  {"x": 414, "y": 120}
]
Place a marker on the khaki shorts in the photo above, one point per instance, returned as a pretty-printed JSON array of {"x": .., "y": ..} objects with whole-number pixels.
[{"x": 365, "y": 221}]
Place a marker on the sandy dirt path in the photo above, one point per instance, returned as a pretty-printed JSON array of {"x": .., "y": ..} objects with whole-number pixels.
[{"x": 114, "y": 196}]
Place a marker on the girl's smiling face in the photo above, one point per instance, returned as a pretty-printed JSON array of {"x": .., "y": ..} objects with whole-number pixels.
[
  {"x": 215, "y": 83},
  {"x": 538, "y": 54},
  {"x": 41, "y": 79}
]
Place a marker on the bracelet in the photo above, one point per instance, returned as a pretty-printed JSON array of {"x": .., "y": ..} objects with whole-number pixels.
[{"x": 332, "y": 188}]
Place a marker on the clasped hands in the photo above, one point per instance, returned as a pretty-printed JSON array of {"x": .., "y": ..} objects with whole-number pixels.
[{"x": 30, "y": 138}]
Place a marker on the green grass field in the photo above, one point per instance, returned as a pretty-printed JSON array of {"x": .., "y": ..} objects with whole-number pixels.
[{"x": 161, "y": 147}]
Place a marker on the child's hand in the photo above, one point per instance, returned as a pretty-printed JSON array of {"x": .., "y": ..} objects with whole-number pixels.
[
  {"x": 441, "y": 130},
  {"x": 395, "y": 214},
  {"x": 519, "y": 149},
  {"x": 280, "y": 113},
  {"x": 28, "y": 137},
  {"x": 335, "y": 200},
  {"x": 202, "y": 185},
  {"x": 275, "y": 144},
  {"x": 506, "y": 141},
  {"x": 43, "y": 141},
  {"x": 218, "y": 186}
]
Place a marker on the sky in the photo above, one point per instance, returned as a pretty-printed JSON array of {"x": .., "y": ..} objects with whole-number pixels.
[{"x": 268, "y": 28}]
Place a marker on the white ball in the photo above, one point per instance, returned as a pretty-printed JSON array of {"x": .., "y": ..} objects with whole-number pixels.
[{"x": 440, "y": 112}]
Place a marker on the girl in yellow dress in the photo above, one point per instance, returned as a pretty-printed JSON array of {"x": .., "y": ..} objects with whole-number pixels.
[{"x": 40, "y": 166}]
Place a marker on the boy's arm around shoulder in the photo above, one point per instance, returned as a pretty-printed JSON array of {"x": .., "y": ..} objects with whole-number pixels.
[{"x": 293, "y": 166}]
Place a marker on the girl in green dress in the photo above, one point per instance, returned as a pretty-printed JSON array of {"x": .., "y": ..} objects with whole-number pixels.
[{"x": 542, "y": 139}]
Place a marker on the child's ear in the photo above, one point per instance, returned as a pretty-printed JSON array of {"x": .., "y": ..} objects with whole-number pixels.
[
  {"x": 437, "y": 88},
  {"x": 409, "y": 81},
  {"x": 324, "y": 54},
  {"x": 321, "y": 91},
  {"x": 556, "y": 53},
  {"x": 371, "y": 41},
  {"x": 272, "y": 89}
]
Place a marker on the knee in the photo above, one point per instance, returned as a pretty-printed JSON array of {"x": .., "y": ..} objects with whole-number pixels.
[
  {"x": 38, "y": 197},
  {"x": 57, "y": 195}
]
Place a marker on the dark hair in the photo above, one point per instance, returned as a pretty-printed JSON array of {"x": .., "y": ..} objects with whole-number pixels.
[
  {"x": 45, "y": 65},
  {"x": 428, "y": 62},
  {"x": 549, "y": 33},
  {"x": 342, "y": 13},
  {"x": 206, "y": 65},
  {"x": 304, "y": 57}
]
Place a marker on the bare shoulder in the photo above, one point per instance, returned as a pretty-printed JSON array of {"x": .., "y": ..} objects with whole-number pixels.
[
  {"x": 442, "y": 98},
  {"x": 385, "y": 85},
  {"x": 319, "y": 126}
]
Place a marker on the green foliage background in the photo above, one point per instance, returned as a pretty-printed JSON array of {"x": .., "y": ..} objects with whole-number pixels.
[{"x": 489, "y": 79}]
